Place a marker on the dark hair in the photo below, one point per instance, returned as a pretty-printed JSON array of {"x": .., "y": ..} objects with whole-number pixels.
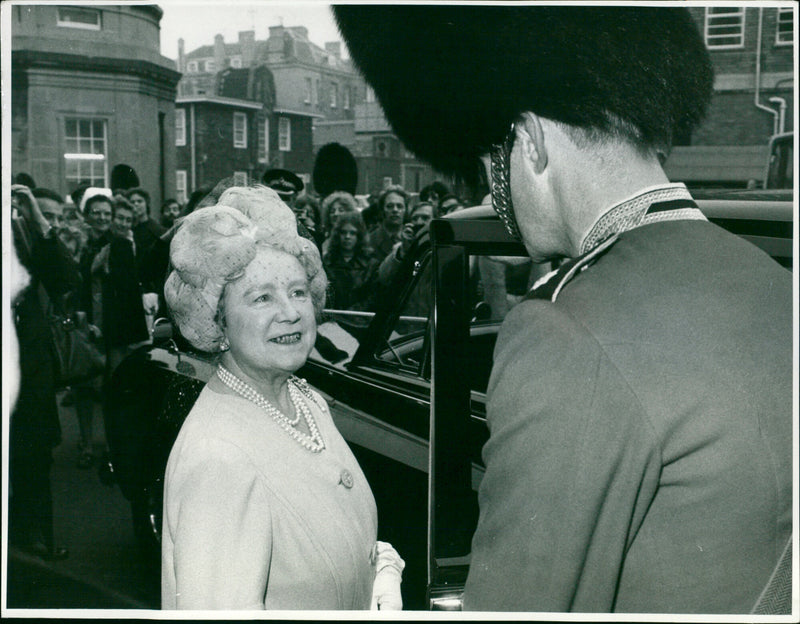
[
  {"x": 440, "y": 188},
  {"x": 95, "y": 199},
  {"x": 418, "y": 205},
  {"x": 635, "y": 73},
  {"x": 141, "y": 192},
  {"x": 120, "y": 203},
  {"x": 77, "y": 194},
  {"x": 196, "y": 197},
  {"x": 362, "y": 247},
  {"x": 25, "y": 179},
  {"x": 46, "y": 193},
  {"x": 169, "y": 201}
]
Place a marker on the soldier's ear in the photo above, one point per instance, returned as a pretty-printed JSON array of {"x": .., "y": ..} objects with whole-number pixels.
[{"x": 530, "y": 139}]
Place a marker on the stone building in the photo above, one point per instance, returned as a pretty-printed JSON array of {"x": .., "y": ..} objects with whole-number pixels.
[
  {"x": 316, "y": 91},
  {"x": 752, "y": 50},
  {"x": 90, "y": 90}
]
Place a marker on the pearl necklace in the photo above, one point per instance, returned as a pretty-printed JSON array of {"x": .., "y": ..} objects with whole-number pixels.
[{"x": 297, "y": 388}]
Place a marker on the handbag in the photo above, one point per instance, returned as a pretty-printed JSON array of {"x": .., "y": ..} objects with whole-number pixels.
[{"x": 77, "y": 357}]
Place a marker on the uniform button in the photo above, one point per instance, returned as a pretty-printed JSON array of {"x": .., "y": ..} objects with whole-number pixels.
[{"x": 345, "y": 478}]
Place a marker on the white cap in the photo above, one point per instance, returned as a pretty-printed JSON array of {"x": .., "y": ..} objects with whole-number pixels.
[{"x": 91, "y": 192}]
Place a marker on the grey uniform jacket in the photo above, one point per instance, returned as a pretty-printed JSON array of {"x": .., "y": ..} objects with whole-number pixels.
[{"x": 640, "y": 451}]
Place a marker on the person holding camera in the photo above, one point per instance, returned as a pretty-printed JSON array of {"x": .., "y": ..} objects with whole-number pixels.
[{"x": 35, "y": 428}]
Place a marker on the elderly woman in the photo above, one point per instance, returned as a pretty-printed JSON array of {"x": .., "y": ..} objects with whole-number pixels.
[{"x": 265, "y": 506}]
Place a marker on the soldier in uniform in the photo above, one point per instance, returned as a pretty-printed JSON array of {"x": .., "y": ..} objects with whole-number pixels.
[{"x": 640, "y": 404}]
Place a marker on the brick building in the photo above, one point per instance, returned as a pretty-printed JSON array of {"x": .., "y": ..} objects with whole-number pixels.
[
  {"x": 752, "y": 51},
  {"x": 91, "y": 90},
  {"x": 238, "y": 131},
  {"x": 318, "y": 98}
]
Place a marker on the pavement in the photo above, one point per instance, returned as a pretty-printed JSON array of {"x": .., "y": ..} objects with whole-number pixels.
[{"x": 104, "y": 569}]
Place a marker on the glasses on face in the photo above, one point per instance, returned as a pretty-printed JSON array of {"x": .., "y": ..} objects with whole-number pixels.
[{"x": 500, "y": 158}]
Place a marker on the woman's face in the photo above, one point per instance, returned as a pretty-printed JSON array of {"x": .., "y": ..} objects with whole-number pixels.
[
  {"x": 348, "y": 237},
  {"x": 269, "y": 316},
  {"x": 122, "y": 222},
  {"x": 394, "y": 209},
  {"x": 100, "y": 217},
  {"x": 336, "y": 210}
]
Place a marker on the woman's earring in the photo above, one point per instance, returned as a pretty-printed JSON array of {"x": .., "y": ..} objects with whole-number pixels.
[{"x": 224, "y": 345}]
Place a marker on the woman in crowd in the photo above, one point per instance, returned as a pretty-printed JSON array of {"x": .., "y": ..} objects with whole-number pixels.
[
  {"x": 265, "y": 506},
  {"x": 350, "y": 265},
  {"x": 97, "y": 214},
  {"x": 334, "y": 205}
]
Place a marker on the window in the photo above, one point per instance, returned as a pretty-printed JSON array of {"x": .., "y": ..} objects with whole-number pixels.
[
  {"x": 239, "y": 130},
  {"x": 284, "y": 134},
  {"x": 316, "y": 94},
  {"x": 785, "y": 31},
  {"x": 346, "y": 95},
  {"x": 370, "y": 94},
  {"x": 79, "y": 17},
  {"x": 334, "y": 94},
  {"x": 192, "y": 67},
  {"x": 263, "y": 146},
  {"x": 181, "y": 192},
  {"x": 85, "y": 152},
  {"x": 236, "y": 62},
  {"x": 308, "y": 91},
  {"x": 240, "y": 178},
  {"x": 210, "y": 66},
  {"x": 180, "y": 126},
  {"x": 724, "y": 27}
]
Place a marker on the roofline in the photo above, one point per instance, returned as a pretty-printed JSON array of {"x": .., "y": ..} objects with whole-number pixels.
[
  {"x": 286, "y": 111},
  {"x": 216, "y": 99}
]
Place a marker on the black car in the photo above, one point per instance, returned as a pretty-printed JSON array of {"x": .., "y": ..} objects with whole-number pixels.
[{"x": 406, "y": 386}]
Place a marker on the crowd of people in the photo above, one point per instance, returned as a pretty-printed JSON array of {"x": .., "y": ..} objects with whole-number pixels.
[{"x": 104, "y": 254}]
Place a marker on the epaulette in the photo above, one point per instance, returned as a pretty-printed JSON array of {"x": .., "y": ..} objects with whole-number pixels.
[{"x": 549, "y": 286}]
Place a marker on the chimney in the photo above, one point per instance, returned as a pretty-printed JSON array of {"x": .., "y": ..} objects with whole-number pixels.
[
  {"x": 181, "y": 57},
  {"x": 334, "y": 48},
  {"x": 276, "y": 31},
  {"x": 247, "y": 41},
  {"x": 300, "y": 31},
  {"x": 219, "y": 52}
]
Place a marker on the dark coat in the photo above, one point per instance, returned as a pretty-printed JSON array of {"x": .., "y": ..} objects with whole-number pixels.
[
  {"x": 640, "y": 451},
  {"x": 123, "y": 311},
  {"x": 34, "y": 423},
  {"x": 352, "y": 284}
]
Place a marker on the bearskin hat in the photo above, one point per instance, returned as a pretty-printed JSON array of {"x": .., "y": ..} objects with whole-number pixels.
[
  {"x": 452, "y": 79},
  {"x": 334, "y": 170},
  {"x": 123, "y": 177}
]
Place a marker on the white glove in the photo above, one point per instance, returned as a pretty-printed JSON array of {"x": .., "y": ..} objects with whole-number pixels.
[
  {"x": 150, "y": 302},
  {"x": 389, "y": 566}
]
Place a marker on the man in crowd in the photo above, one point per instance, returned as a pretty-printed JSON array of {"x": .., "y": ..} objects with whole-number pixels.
[
  {"x": 35, "y": 429},
  {"x": 392, "y": 211},
  {"x": 170, "y": 210},
  {"x": 284, "y": 183},
  {"x": 640, "y": 404},
  {"x": 51, "y": 206}
]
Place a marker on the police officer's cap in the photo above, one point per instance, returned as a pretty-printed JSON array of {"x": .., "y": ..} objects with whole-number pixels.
[
  {"x": 453, "y": 78},
  {"x": 282, "y": 181}
]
